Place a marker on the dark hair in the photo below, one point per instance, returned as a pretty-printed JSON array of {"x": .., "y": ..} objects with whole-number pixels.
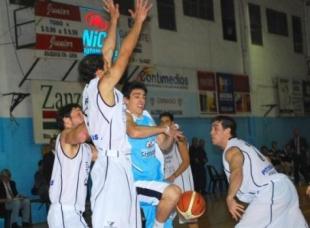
[
  {"x": 63, "y": 112},
  {"x": 130, "y": 86},
  {"x": 167, "y": 114},
  {"x": 88, "y": 67},
  {"x": 227, "y": 122}
]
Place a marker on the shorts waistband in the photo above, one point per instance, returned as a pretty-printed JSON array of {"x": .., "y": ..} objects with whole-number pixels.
[{"x": 114, "y": 153}]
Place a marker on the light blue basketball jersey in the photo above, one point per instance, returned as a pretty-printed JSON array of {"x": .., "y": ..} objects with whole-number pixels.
[{"x": 145, "y": 164}]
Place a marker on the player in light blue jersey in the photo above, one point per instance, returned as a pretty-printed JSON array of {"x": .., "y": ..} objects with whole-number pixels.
[{"x": 147, "y": 159}]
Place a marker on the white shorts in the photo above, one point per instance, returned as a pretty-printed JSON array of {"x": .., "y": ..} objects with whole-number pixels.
[
  {"x": 186, "y": 183},
  {"x": 60, "y": 216},
  {"x": 113, "y": 195},
  {"x": 275, "y": 206},
  {"x": 150, "y": 192}
]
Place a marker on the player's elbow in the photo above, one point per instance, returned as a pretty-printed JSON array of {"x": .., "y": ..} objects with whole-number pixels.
[
  {"x": 133, "y": 132},
  {"x": 82, "y": 137}
]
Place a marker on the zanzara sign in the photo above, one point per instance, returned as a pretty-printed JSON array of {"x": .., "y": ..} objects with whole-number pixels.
[{"x": 47, "y": 98}]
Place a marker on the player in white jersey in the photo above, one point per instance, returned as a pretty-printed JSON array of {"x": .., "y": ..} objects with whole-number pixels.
[
  {"x": 68, "y": 185},
  {"x": 271, "y": 197},
  {"x": 177, "y": 164},
  {"x": 113, "y": 196}
]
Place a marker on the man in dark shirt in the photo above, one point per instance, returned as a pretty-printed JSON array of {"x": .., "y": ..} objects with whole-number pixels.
[{"x": 13, "y": 201}]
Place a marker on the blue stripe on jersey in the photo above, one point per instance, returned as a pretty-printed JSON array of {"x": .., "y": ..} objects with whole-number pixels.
[
  {"x": 105, "y": 179},
  {"x": 78, "y": 180},
  {"x": 143, "y": 154},
  {"x": 272, "y": 195},
  {"x": 104, "y": 117},
  {"x": 251, "y": 171}
]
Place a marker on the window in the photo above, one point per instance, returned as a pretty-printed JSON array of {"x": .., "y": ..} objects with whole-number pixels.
[
  {"x": 297, "y": 34},
  {"x": 166, "y": 14},
  {"x": 199, "y": 8},
  {"x": 276, "y": 22},
  {"x": 255, "y": 24},
  {"x": 124, "y": 6},
  {"x": 228, "y": 20}
]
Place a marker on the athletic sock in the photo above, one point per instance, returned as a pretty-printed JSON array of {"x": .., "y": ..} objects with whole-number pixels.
[{"x": 158, "y": 224}]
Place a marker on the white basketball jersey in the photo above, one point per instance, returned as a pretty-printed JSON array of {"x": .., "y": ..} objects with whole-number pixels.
[
  {"x": 257, "y": 170},
  {"x": 106, "y": 124},
  {"x": 172, "y": 162},
  {"x": 68, "y": 184}
]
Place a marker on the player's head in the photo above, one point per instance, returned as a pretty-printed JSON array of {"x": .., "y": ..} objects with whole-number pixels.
[
  {"x": 5, "y": 175},
  {"x": 223, "y": 128},
  {"x": 89, "y": 66},
  {"x": 166, "y": 118},
  {"x": 135, "y": 95},
  {"x": 69, "y": 116}
]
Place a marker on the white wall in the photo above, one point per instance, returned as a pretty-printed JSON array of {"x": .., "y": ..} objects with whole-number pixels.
[{"x": 197, "y": 44}]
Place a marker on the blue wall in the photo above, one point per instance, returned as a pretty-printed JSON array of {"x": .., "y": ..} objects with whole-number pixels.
[
  {"x": 19, "y": 153},
  {"x": 256, "y": 130}
]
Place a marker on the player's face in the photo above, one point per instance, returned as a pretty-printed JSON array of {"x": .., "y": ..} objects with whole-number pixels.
[
  {"x": 136, "y": 102},
  {"x": 76, "y": 117},
  {"x": 218, "y": 134},
  {"x": 165, "y": 121}
]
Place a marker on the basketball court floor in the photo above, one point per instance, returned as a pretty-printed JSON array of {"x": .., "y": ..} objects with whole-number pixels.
[{"x": 217, "y": 215}]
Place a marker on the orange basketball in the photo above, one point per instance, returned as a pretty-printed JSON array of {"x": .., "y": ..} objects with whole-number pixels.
[{"x": 191, "y": 205}]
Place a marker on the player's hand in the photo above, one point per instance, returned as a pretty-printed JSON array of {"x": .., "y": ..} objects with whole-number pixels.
[
  {"x": 175, "y": 133},
  {"x": 308, "y": 191},
  {"x": 112, "y": 8},
  {"x": 142, "y": 8},
  {"x": 170, "y": 179},
  {"x": 235, "y": 209}
]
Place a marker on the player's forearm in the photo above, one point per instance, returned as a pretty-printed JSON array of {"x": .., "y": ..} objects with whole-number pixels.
[
  {"x": 131, "y": 40},
  {"x": 235, "y": 182},
  {"x": 109, "y": 42},
  {"x": 77, "y": 135},
  {"x": 143, "y": 131}
]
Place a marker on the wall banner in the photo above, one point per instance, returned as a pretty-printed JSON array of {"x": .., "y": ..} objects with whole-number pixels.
[
  {"x": 207, "y": 92},
  {"x": 169, "y": 89},
  {"x": 47, "y": 98},
  {"x": 225, "y": 90},
  {"x": 285, "y": 95},
  {"x": 242, "y": 94}
]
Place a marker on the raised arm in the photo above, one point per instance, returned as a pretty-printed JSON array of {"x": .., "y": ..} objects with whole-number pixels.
[
  {"x": 112, "y": 76},
  {"x": 109, "y": 42},
  {"x": 235, "y": 159},
  {"x": 75, "y": 135},
  {"x": 70, "y": 139}
]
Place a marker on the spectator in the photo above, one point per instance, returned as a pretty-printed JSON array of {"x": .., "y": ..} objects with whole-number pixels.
[
  {"x": 198, "y": 159},
  {"x": 14, "y": 201},
  {"x": 299, "y": 148}
]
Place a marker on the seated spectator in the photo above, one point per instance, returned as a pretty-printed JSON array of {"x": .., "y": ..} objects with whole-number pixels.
[{"x": 13, "y": 201}]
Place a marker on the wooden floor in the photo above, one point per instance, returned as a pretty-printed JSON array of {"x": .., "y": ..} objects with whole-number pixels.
[{"x": 217, "y": 215}]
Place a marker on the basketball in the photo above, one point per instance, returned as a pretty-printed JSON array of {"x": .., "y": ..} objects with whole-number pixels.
[{"x": 191, "y": 205}]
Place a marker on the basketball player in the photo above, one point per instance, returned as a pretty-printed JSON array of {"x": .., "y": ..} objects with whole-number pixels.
[
  {"x": 177, "y": 168},
  {"x": 113, "y": 196},
  {"x": 68, "y": 185},
  {"x": 147, "y": 168},
  {"x": 272, "y": 198}
]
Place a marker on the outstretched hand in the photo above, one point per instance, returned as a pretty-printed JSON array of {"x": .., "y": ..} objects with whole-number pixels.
[
  {"x": 142, "y": 8},
  {"x": 235, "y": 209},
  {"x": 112, "y": 8}
]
